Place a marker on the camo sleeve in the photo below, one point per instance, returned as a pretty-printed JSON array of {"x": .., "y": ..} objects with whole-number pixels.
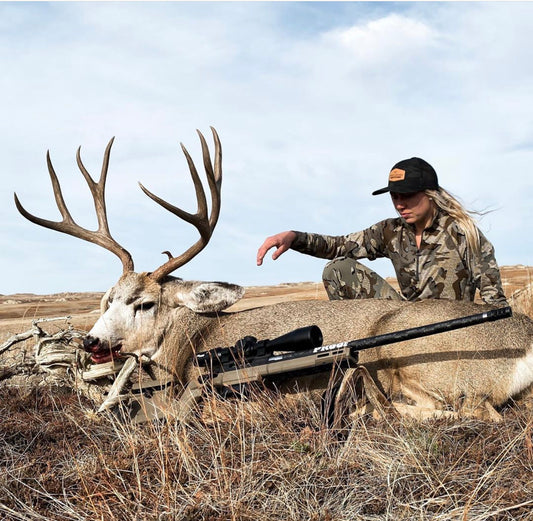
[
  {"x": 366, "y": 244},
  {"x": 487, "y": 274}
]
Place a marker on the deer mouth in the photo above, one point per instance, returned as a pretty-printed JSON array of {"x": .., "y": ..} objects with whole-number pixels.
[
  {"x": 101, "y": 352},
  {"x": 104, "y": 355}
]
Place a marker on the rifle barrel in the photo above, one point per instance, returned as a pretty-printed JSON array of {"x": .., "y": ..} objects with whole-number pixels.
[{"x": 430, "y": 329}]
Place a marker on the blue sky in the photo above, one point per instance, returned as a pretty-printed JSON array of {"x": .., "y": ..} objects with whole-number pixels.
[{"x": 314, "y": 102}]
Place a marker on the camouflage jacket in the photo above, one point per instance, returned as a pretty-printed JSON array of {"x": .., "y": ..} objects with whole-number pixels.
[{"x": 443, "y": 266}]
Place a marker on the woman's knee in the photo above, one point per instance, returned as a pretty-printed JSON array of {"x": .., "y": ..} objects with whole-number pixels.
[{"x": 347, "y": 278}]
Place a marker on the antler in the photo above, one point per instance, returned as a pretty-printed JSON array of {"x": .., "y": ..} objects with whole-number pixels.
[
  {"x": 203, "y": 223},
  {"x": 102, "y": 237}
]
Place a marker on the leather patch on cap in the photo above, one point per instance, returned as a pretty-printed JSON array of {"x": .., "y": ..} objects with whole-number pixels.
[{"x": 397, "y": 174}]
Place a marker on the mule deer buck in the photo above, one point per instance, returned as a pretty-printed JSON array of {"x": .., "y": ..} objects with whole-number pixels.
[{"x": 166, "y": 319}]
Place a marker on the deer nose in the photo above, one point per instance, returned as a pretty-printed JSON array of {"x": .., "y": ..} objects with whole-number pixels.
[{"x": 90, "y": 342}]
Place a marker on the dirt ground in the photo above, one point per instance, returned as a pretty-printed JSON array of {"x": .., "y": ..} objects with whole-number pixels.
[{"x": 17, "y": 311}]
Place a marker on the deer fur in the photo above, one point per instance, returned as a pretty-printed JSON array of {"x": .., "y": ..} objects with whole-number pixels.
[{"x": 470, "y": 370}]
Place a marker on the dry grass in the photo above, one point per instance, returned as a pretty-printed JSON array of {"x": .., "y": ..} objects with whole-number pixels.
[
  {"x": 268, "y": 459},
  {"x": 265, "y": 460},
  {"x": 522, "y": 300}
]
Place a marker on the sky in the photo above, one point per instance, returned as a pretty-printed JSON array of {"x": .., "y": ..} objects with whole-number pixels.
[{"x": 314, "y": 102}]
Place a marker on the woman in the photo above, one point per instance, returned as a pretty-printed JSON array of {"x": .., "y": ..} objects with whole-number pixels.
[{"x": 435, "y": 246}]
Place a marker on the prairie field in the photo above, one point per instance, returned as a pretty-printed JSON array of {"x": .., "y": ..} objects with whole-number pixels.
[{"x": 267, "y": 458}]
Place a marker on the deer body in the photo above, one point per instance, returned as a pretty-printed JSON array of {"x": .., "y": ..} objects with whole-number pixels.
[
  {"x": 168, "y": 319},
  {"x": 488, "y": 362},
  {"x": 469, "y": 369}
]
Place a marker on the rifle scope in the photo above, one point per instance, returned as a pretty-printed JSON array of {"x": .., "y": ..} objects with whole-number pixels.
[{"x": 301, "y": 339}]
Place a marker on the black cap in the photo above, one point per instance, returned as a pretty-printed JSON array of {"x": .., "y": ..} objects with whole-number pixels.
[{"x": 411, "y": 175}]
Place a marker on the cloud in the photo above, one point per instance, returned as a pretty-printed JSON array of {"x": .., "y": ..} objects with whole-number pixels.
[
  {"x": 313, "y": 102},
  {"x": 384, "y": 40}
]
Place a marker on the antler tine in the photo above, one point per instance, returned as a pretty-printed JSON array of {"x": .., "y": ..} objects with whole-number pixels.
[
  {"x": 60, "y": 201},
  {"x": 200, "y": 220},
  {"x": 98, "y": 189},
  {"x": 102, "y": 237},
  {"x": 214, "y": 178}
]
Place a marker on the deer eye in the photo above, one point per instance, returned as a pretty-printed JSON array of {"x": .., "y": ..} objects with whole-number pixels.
[{"x": 143, "y": 306}]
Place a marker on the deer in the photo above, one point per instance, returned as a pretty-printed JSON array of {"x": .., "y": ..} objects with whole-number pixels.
[{"x": 163, "y": 319}]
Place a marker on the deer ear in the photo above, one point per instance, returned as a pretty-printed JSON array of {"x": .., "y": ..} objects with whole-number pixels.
[
  {"x": 104, "y": 302},
  {"x": 207, "y": 297}
]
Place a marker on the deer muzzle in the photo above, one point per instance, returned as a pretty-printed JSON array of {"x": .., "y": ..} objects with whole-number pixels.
[{"x": 101, "y": 351}]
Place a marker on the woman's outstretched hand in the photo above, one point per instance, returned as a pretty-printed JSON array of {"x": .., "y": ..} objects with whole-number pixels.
[{"x": 281, "y": 241}]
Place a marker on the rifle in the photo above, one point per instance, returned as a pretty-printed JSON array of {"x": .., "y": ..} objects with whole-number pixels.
[{"x": 229, "y": 371}]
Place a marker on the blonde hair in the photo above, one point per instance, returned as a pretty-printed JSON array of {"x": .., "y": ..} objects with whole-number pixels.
[{"x": 464, "y": 218}]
